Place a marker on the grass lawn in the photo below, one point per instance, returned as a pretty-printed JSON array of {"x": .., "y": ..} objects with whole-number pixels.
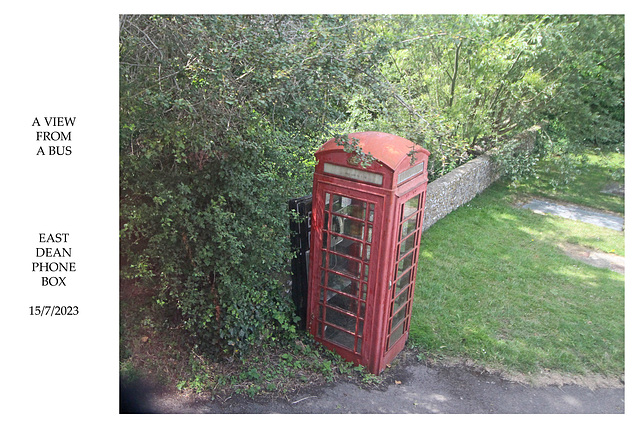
[{"x": 493, "y": 285}]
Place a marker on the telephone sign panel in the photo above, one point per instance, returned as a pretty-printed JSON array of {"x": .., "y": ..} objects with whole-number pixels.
[{"x": 365, "y": 237}]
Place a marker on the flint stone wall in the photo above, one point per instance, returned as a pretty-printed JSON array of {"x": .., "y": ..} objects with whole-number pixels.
[{"x": 461, "y": 185}]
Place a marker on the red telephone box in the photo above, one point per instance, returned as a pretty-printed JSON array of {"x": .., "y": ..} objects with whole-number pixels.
[{"x": 365, "y": 239}]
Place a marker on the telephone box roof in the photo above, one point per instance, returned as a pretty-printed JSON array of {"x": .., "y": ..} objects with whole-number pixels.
[{"x": 388, "y": 149}]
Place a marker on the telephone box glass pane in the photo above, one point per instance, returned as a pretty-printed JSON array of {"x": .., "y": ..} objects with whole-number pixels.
[
  {"x": 342, "y": 338},
  {"x": 403, "y": 283},
  {"x": 395, "y": 336},
  {"x": 399, "y": 317},
  {"x": 347, "y": 247},
  {"x": 400, "y": 300},
  {"x": 344, "y": 302},
  {"x": 342, "y": 320},
  {"x": 350, "y": 207},
  {"x": 405, "y": 263},
  {"x": 411, "y": 207},
  {"x": 348, "y": 227},
  {"x": 408, "y": 227},
  {"x": 407, "y": 245},
  {"x": 342, "y": 284},
  {"x": 347, "y": 266}
]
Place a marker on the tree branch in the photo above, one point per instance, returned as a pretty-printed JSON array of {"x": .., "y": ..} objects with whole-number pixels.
[{"x": 455, "y": 73}]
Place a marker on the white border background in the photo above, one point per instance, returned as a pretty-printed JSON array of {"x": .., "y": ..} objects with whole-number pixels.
[{"x": 61, "y": 59}]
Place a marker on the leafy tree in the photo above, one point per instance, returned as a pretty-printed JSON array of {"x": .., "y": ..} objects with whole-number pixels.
[
  {"x": 460, "y": 84},
  {"x": 588, "y": 101}
]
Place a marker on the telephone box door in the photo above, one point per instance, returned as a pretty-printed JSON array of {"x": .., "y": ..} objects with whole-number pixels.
[{"x": 341, "y": 304}]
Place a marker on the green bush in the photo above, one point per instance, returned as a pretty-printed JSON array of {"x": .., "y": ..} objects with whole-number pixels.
[{"x": 219, "y": 118}]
